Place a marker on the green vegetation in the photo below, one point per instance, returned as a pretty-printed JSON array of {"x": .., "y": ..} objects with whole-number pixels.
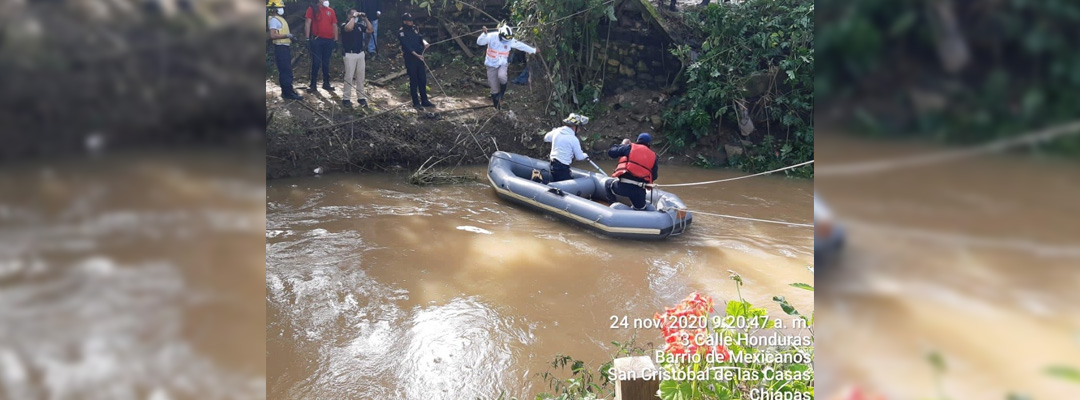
[
  {"x": 568, "y": 53},
  {"x": 883, "y": 60},
  {"x": 757, "y": 57}
]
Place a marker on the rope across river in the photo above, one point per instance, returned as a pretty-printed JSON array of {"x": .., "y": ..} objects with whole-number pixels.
[{"x": 527, "y": 26}]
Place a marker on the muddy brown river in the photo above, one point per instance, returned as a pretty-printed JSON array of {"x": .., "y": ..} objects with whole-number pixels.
[
  {"x": 977, "y": 260},
  {"x": 134, "y": 276},
  {"x": 377, "y": 289}
]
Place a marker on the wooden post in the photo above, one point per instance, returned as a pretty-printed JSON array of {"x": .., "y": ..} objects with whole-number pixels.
[
  {"x": 640, "y": 388},
  {"x": 457, "y": 39}
]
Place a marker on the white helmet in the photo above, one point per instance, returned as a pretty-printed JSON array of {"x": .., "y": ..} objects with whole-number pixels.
[
  {"x": 505, "y": 33},
  {"x": 576, "y": 120}
]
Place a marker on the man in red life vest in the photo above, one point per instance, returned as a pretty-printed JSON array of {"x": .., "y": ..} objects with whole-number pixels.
[{"x": 636, "y": 170}]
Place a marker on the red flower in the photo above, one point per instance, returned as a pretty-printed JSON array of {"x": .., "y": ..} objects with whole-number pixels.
[{"x": 721, "y": 353}]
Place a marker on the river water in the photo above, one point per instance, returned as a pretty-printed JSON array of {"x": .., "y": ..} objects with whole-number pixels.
[
  {"x": 135, "y": 276},
  {"x": 378, "y": 289},
  {"x": 977, "y": 260}
]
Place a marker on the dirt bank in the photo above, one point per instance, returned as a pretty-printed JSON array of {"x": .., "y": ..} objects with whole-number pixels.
[
  {"x": 81, "y": 84},
  {"x": 317, "y": 132}
]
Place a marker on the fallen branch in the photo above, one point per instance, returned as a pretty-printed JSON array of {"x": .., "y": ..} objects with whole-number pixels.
[
  {"x": 425, "y": 176},
  {"x": 497, "y": 22},
  {"x": 386, "y": 79},
  {"x": 315, "y": 111},
  {"x": 465, "y": 109},
  {"x": 335, "y": 125},
  {"x": 456, "y": 38}
]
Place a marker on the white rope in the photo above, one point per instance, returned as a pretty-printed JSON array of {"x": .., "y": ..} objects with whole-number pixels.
[
  {"x": 751, "y": 219},
  {"x": 961, "y": 239},
  {"x": 736, "y": 178},
  {"x": 871, "y": 167}
]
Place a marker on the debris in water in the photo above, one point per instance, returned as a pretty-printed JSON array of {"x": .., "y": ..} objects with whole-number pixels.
[
  {"x": 318, "y": 171},
  {"x": 426, "y": 175},
  {"x": 474, "y": 229}
]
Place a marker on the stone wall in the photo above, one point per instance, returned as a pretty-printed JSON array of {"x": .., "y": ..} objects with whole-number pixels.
[{"x": 638, "y": 55}]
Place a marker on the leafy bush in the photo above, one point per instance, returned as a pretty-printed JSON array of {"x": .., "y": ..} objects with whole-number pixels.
[
  {"x": 760, "y": 54},
  {"x": 1024, "y": 70},
  {"x": 566, "y": 47}
]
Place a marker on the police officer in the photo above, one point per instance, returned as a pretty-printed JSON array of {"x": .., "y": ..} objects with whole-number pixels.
[
  {"x": 636, "y": 170},
  {"x": 412, "y": 49}
]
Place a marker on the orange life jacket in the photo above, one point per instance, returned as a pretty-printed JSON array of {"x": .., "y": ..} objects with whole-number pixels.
[{"x": 638, "y": 164}]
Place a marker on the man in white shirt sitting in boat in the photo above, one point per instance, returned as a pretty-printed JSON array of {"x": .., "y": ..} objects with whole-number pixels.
[{"x": 565, "y": 146}]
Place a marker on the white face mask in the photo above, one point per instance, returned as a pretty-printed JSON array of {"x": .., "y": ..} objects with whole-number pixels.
[
  {"x": 326, "y": 4},
  {"x": 281, "y": 11}
]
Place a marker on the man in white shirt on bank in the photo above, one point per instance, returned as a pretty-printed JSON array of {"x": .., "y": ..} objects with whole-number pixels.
[{"x": 496, "y": 59}]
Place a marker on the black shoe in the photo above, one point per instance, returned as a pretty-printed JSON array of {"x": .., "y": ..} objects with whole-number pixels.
[
  {"x": 312, "y": 89},
  {"x": 495, "y": 100},
  {"x": 328, "y": 88},
  {"x": 292, "y": 96},
  {"x": 502, "y": 91},
  {"x": 417, "y": 106},
  {"x": 346, "y": 103},
  {"x": 427, "y": 104},
  {"x": 363, "y": 103}
]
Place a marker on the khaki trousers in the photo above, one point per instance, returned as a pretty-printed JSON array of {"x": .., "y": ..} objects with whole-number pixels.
[
  {"x": 354, "y": 75},
  {"x": 497, "y": 77}
]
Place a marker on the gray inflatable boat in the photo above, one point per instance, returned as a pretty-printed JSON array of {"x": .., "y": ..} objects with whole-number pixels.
[{"x": 573, "y": 200}]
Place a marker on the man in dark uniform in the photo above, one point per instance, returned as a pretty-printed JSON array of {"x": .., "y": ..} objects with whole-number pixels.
[
  {"x": 412, "y": 49},
  {"x": 636, "y": 170}
]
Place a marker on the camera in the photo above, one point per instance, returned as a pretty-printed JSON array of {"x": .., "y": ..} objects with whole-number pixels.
[{"x": 361, "y": 14}]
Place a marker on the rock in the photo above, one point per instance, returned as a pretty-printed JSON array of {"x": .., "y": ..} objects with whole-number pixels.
[
  {"x": 598, "y": 148},
  {"x": 759, "y": 82},
  {"x": 95, "y": 142},
  {"x": 746, "y": 126},
  {"x": 656, "y": 121},
  {"x": 733, "y": 151},
  {"x": 746, "y": 143},
  {"x": 925, "y": 102},
  {"x": 613, "y": 62},
  {"x": 949, "y": 39}
]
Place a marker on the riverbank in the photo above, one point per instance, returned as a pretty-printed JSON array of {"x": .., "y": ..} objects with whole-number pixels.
[
  {"x": 147, "y": 81},
  {"x": 463, "y": 128}
]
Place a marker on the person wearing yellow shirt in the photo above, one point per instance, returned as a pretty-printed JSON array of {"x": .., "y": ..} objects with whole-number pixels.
[{"x": 279, "y": 34}]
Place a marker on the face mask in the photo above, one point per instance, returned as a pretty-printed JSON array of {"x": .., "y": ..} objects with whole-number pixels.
[
  {"x": 281, "y": 11},
  {"x": 326, "y": 4}
]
